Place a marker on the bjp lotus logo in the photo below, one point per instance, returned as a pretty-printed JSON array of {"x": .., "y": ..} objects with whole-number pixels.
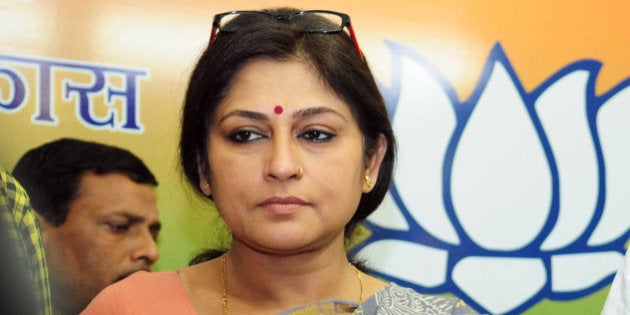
[{"x": 509, "y": 197}]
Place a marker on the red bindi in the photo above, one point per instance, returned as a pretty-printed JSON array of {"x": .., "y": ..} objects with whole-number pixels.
[{"x": 278, "y": 109}]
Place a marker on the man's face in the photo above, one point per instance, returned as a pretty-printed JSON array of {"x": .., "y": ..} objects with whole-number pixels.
[{"x": 110, "y": 232}]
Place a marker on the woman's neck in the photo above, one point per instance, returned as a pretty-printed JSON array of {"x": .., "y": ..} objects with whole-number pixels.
[{"x": 267, "y": 281}]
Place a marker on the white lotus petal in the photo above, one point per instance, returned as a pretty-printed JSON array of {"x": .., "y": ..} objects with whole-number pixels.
[
  {"x": 500, "y": 284},
  {"x": 562, "y": 112},
  {"x": 574, "y": 272},
  {"x": 501, "y": 184},
  {"x": 613, "y": 124},
  {"x": 388, "y": 215},
  {"x": 411, "y": 262},
  {"x": 424, "y": 122}
]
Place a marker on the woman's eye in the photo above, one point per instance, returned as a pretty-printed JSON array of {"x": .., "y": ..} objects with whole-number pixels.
[
  {"x": 317, "y": 136},
  {"x": 244, "y": 136}
]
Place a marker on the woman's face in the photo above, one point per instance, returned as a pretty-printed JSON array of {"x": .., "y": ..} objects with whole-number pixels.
[{"x": 286, "y": 159}]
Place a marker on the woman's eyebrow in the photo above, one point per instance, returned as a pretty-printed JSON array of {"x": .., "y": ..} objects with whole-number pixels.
[
  {"x": 245, "y": 114},
  {"x": 313, "y": 111},
  {"x": 302, "y": 113}
]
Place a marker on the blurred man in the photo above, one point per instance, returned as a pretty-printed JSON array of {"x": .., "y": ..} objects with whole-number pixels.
[
  {"x": 618, "y": 300},
  {"x": 24, "y": 287},
  {"x": 97, "y": 210}
]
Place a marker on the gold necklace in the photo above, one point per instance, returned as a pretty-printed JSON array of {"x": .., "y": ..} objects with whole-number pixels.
[{"x": 224, "y": 293}]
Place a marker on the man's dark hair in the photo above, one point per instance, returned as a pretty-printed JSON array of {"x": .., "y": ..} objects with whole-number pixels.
[{"x": 52, "y": 173}]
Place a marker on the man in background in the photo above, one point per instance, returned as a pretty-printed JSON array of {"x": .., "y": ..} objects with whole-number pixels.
[{"x": 97, "y": 210}]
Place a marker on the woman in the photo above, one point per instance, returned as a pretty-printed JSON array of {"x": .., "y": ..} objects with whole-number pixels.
[{"x": 285, "y": 130}]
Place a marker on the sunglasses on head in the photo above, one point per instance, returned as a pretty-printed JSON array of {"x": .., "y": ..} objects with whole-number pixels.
[{"x": 312, "y": 21}]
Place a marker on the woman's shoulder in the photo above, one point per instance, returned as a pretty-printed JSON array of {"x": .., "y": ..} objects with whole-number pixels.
[
  {"x": 141, "y": 293},
  {"x": 402, "y": 300},
  {"x": 149, "y": 282},
  {"x": 144, "y": 277}
]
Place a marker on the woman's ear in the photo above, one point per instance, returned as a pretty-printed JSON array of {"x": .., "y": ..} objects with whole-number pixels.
[
  {"x": 204, "y": 180},
  {"x": 374, "y": 164}
]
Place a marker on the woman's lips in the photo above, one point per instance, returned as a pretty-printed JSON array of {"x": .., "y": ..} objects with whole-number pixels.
[{"x": 283, "y": 205}]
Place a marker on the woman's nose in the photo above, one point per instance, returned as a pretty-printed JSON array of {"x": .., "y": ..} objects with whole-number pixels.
[{"x": 283, "y": 159}]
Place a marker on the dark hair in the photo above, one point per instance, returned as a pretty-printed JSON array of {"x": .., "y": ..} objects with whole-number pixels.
[
  {"x": 332, "y": 56},
  {"x": 205, "y": 255},
  {"x": 52, "y": 173}
]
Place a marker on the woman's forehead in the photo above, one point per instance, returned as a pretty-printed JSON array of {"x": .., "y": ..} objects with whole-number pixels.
[{"x": 276, "y": 86}]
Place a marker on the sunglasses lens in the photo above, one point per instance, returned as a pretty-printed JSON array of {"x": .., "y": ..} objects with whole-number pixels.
[
  {"x": 318, "y": 22},
  {"x": 234, "y": 21}
]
